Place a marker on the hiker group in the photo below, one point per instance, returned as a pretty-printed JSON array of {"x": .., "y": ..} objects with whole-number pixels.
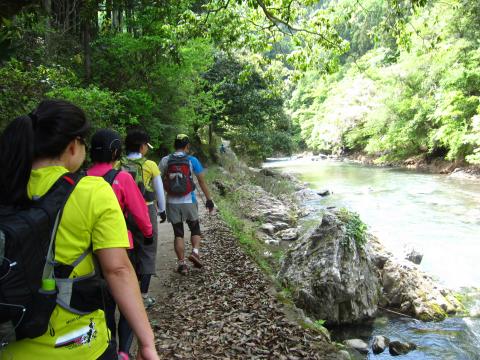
[{"x": 76, "y": 245}]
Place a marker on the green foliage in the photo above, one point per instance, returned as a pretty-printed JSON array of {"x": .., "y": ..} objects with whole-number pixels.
[
  {"x": 252, "y": 117},
  {"x": 422, "y": 101},
  {"x": 355, "y": 227},
  {"x": 319, "y": 323},
  {"x": 163, "y": 95},
  {"x": 22, "y": 86},
  {"x": 102, "y": 107},
  {"x": 391, "y": 78}
]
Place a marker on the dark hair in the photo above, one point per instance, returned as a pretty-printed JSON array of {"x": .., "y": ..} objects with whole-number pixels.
[
  {"x": 135, "y": 139},
  {"x": 43, "y": 134},
  {"x": 106, "y": 146},
  {"x": 181, "y": 141}
]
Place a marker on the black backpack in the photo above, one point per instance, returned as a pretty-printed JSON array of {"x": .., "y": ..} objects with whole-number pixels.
[{"x": 27, "y": 247}]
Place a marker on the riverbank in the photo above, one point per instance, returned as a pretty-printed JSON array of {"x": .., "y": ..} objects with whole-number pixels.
[
  {"x": 270, "y": 220},
  {"x": 435, "y": 214},
  {"x": 355, "y": 271}
]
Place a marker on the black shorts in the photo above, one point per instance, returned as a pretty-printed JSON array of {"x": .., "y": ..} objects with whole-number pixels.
[{"x": 194, "y": 227}]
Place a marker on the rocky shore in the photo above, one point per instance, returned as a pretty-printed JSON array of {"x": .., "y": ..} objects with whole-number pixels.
[
  {"x": 331, "y": 275},
  {"x": 330, "y": 272}
]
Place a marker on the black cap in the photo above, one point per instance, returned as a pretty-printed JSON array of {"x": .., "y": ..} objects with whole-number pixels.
[
  {"x": 135, "y": 138},
  {"x": 103, "y": 145}
]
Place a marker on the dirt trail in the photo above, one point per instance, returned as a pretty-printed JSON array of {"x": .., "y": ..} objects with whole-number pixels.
[{"x": 226, "y": 310}]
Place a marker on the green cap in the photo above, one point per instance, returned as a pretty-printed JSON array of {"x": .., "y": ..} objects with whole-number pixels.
[
  {"x": 182, "y": 137},
  {"x": 48, "y": 284}
]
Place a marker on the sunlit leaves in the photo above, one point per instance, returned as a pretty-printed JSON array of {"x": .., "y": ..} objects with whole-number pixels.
[{"x": 425, "y": 100}]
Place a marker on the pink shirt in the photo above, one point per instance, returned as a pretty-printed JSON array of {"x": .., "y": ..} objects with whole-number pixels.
[{"x": 129, "y": 196}]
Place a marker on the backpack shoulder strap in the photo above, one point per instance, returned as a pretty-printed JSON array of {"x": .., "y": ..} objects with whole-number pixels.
[
  {"x": 111, "y": 175},
  {"x": 172, "y": 158},
  {"x": 59, "y": 193},
  {"x": 65, "y": 185}
]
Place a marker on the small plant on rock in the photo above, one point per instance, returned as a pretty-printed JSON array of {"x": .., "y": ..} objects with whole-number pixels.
[{"x": 356, "y": 229}]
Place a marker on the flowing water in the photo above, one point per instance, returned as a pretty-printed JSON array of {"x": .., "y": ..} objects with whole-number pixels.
[{"x": 435, "y": 214}]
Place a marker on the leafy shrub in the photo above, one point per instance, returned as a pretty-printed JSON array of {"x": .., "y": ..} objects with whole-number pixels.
[
  {"x": 102, "y": 107},
  {"x": 23, "y": 85}
]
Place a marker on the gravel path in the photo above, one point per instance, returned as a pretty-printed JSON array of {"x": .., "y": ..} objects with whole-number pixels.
[{"x": 227, "y": 309}]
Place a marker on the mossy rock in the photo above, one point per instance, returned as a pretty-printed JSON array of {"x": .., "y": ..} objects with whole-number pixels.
[{"x": 434, "y": 313}]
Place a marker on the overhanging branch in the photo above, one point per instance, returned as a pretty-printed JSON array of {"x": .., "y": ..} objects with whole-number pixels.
[{"x": 291, "y": 29}]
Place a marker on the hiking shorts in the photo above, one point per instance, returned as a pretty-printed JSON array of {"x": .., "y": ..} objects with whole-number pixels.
[
  {"x": 194, "y": 227},
  {"x": 179, "y": 213}
]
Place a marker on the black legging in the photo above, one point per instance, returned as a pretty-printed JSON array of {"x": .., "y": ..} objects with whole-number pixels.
[
  {"x": 144, "y": 282},
  {"x": 125, "y": 335}
]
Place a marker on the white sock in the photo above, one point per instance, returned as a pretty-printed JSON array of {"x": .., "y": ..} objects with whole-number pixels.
[{"x": 195, "y": 251}]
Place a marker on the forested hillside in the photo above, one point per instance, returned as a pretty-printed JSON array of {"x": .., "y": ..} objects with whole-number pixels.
[
  {"x": 395, "y": 97},
  {"x": 392, "y": 78}
]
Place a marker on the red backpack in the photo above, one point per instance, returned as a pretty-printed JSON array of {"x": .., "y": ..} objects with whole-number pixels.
[{"x": 178, "y": 180}]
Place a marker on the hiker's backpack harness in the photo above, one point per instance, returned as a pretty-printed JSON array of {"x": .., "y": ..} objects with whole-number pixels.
[
  {"x": 135, "y": 168},
  {"x": 27, "y": 263}
]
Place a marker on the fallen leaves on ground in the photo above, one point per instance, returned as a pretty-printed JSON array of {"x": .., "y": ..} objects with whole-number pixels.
[{"x": 226, "y": 310}]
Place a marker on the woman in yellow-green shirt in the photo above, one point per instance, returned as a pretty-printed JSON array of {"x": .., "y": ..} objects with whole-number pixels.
[{"x": 35, "y": 151}]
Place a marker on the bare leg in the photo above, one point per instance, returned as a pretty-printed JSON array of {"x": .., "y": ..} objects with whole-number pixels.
[
  {"x": 195, "y": 240},
  {"x": 179, "y": 248}
]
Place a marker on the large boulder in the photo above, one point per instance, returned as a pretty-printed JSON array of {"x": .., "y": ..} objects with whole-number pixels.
[
  {"x": 332, "y": 277},
  {"x": 305, "y": 195},
  {"x": 409, "y": 290},
  {"x": 414, "y": 256}
]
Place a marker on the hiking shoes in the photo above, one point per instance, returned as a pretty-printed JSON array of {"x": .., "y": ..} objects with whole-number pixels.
[
  {"x": 195, "y": 259},
  {"x": 148, "y": 302},
  {"x": 182, "y": 269}
]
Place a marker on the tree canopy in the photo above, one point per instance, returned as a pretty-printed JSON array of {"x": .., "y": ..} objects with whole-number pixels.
[{"x": 393, "y": 78}]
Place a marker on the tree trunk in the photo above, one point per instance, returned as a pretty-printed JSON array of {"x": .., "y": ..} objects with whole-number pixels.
[
  {"x": 87, "y": 51},
  {"x": 117, "y": 16},
  {"x": 47, "y": 5},
  {"x": 210, "y": 133},
  {"x": 108, "y": 10}
]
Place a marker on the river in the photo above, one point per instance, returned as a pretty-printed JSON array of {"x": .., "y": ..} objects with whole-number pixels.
[{"x": 435, "y": 214}]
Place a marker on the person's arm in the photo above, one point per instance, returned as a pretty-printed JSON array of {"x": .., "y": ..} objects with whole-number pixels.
[
  {"x": 158, "y": 186},
  {"x": 200, "y": 175},
  {"x": 135, "y": 204},
  {"x": 123, "y": 284},
  {"x": 203, "y": 185},
  {"x": 109, "y": 240}
]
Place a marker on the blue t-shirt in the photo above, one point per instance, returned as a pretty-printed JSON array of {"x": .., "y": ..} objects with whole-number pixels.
[{"x": 196, "y": 168}]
